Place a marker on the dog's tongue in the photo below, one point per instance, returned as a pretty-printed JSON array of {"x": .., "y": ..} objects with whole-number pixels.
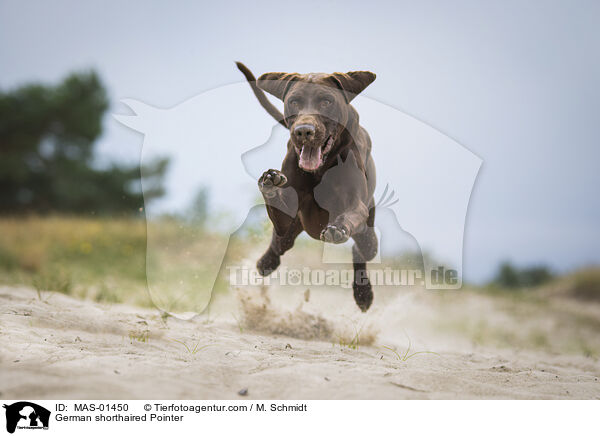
[{"x": 310, "y": 158}]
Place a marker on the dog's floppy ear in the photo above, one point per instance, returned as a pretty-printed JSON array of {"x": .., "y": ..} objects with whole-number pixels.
[
  {"x": 353, "y": 82},
  {"x": 277, "y": 84}
]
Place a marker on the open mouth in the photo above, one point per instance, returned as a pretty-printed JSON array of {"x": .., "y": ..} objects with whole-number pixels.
[{"x": 311, "y": 158}]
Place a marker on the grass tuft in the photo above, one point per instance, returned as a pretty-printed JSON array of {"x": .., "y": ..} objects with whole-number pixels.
[
  {"x": 192, "y": 348},
  {"x": 407, "y": 354}
]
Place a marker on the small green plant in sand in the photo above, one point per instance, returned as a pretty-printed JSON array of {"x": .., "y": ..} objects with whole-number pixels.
[
  {"x": 53, "y": 280},
  {"x": 140, "y": 336},
  {"x": 192, "y": 349},
  {"x": 352, "y": 344},
  {"x": 239, "y": 323},
  {"x": 106, "y": 295},
  {"x": 43, "y": 295},
  {"x": 353, "y": 341},
  {"x": 407, "y": 354}
]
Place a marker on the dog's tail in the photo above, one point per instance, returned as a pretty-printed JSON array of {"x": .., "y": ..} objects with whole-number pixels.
[{"x": 260, "y": 95}]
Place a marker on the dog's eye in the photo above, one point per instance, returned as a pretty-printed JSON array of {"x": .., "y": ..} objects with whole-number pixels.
[
  {"x": 294, "y": 102},
  {"x": 325, "y": 102}
]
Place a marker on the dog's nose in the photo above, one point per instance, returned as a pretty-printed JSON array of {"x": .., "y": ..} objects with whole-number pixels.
[{"x": 304, "y": 131}]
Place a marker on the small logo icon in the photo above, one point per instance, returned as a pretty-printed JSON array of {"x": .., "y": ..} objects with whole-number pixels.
[{"x": 26, "y": 415}]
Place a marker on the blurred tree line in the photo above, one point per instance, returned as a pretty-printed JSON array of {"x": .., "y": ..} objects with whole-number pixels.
[
  {"x": 47, "y": 138},
  {"x": 512, "y": 277}
]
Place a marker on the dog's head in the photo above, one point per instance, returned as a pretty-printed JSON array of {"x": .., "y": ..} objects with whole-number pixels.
[{"x": 316, "y": 109}]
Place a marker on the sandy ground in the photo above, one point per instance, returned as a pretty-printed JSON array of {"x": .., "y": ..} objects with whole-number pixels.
[{"x": 60, "y": 347}]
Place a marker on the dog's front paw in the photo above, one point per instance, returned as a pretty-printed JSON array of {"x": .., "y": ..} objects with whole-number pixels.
[
  {"x": 334, "y": 234},
  {"x": 270, "y": 181}
]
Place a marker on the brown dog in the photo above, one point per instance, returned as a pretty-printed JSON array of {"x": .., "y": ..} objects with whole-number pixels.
[{"x": 327, "y": 179}]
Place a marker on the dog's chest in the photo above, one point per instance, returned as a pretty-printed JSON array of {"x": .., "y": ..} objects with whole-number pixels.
[{"x": 313, "y": 218}]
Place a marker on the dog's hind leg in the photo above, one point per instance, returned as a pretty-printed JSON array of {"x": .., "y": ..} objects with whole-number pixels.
[{"x": 364, "y": 249}]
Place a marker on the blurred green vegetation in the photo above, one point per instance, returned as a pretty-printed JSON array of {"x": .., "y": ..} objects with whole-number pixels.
[
  {"x": 100, "y": 258},
  {"x": 104, "y": 259},
  {"x": 47, "y": 162},
  {"x": 80, "y": 256},
  {"x": 583, "y": 285},
  {"x": 512, "y": 277},
  {"x": 69, "y": 224},
  {"x": 86, "y": 256}
]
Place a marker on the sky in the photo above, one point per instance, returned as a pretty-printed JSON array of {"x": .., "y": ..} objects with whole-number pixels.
[{"x": 516, "y": 83}]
